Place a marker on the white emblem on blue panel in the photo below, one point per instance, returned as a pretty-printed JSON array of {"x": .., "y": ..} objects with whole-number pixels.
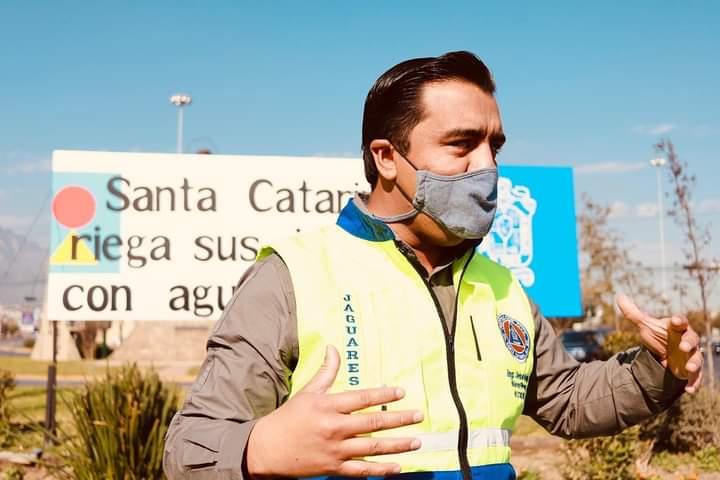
[{"x": 510, "y": 241}]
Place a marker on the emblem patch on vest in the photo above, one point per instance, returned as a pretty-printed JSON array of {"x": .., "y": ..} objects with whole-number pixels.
[{"x": 516, "y": 337}]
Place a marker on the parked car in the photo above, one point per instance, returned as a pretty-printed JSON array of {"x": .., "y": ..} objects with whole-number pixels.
[
  {"x": 715, "y": 346},
  {"x": 585, "y": 345}
]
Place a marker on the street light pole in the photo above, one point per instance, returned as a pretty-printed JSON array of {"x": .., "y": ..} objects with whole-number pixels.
[
  {"x": 180, "y": 100},
  {"x": 658, "y": 163}
]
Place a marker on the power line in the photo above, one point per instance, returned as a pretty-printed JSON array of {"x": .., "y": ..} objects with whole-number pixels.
[
  {"x": 27, "y": 235},
  {"x": 43, "y": 262},
  {"x": 20, "y": 283}
]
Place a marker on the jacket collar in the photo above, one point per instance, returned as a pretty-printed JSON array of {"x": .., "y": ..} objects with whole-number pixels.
[{"x": 357, "y": 221}]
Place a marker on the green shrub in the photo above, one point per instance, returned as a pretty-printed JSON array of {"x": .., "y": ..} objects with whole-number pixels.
[
  {"x": 529, "y": 474},
  {"x": 708, "y": 458},
  {"x": 619, "y": 341},
  {"x": 7, "y": 384},
  {"x": 102, "y": 351},
  {"x": 14, "y": 473},
  {"x": 604, "y": 458},
  {"x": 690, "y": 425},
  {"x": 689, "y": 432},
  {"x": 118, "y": 426},
  {"x": 12, "y": 329}
]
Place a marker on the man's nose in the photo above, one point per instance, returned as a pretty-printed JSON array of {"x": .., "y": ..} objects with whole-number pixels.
[{"x": 481, "y": 157}]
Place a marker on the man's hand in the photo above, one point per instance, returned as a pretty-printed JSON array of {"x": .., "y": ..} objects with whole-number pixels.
[
  {"x": 671, "y": 339},
  {"x": 315, "y": 433}
]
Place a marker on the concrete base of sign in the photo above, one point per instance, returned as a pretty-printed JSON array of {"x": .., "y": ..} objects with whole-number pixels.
[
  {"x": 66, "y": 349},
  {"x": 156, "y": 341}
]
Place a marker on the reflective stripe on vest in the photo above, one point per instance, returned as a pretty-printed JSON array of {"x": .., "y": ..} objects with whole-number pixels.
[
  {"x": 482, "y": 438},
  {"x": 365, "y": 298}
]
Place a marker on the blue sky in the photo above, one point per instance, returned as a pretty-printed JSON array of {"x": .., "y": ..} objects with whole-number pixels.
[{"x": 592, "y": 85}]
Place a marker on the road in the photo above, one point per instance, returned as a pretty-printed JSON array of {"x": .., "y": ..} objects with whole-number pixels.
[{"x": 63, "y": 382}]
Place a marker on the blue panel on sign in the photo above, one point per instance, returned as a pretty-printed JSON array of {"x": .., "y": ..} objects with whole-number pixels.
[
  {"x": 534, "y": 234},
  {"x": 79, "y": 241}
]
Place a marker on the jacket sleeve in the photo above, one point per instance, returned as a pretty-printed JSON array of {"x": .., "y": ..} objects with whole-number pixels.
[
  {"x": 250, "y": 354},
  {"x": 577, "y": 400}
]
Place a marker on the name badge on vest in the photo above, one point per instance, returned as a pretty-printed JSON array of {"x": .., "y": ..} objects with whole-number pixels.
[
  {"x": 516, "y": 337},
  {"x": 352, "y": 347}
]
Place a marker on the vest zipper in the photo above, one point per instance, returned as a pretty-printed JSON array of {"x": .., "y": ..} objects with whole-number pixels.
[{"x": 450, "y": 356}]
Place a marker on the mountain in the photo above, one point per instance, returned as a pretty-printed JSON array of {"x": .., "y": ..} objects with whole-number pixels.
[{"x": 23, "y": 268}]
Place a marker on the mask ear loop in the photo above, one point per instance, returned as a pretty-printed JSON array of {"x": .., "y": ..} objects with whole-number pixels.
[
  {"x": 414, "y": 210},
  {"x": 410, "y": 200}
]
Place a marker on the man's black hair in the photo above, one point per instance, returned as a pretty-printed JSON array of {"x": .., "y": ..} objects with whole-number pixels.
[{"x": 393, "y": 105}]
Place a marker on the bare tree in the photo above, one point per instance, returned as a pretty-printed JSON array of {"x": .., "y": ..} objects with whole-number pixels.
[
  {"x": 697, "y": 238},
  {"x": 608, "y": 268}
]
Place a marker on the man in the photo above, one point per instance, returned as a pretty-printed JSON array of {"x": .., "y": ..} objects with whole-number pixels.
[{"x": 385, "y": 345}]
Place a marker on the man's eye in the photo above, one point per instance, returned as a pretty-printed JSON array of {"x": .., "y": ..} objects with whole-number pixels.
[{"x": 465, "y": 144}]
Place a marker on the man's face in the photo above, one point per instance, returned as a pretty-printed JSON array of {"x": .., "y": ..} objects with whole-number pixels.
[{"x": 460, "y": 132}]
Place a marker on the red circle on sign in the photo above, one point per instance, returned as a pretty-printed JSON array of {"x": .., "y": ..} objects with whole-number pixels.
[{"x": 73, "y": 207}]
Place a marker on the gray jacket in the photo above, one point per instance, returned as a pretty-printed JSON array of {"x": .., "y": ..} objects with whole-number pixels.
[{"x": 253, "y": 349}]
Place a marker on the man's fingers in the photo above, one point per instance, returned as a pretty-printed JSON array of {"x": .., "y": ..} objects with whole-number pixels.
[
  {"x": 679, "y": 324},
  {"x": 325, "y": 376},
  {"x": 631, "y": 311},
  {"x": 694, "y": 382},
  {"x": 373, "y": 422},
  {"x": 348, "y": 402},
  {"x": 359, "y": 468},
  {"x": 689, "y": 340},
  {"x": 695, "y": 362},
  {"x": 674, "y": 339},
  {"x": 367, "y": 446}
]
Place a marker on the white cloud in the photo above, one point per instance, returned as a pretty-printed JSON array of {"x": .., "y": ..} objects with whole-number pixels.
[
  {"x": 622, "y": 210},
  {"x": 29, "y": 166},
  {"x": 709, "y": 205},
  {"x": 609, "y": 167},
  {"x": 13, "y": 222},
  {"x": 618, "y": 209},
  {"x": 649, "y": 253},
  {"x": 630, "y": 211},
  {"x": 646, "y": 210},
  {"x": 659, "y": 129},
  {"x": 662, "y": 128}
]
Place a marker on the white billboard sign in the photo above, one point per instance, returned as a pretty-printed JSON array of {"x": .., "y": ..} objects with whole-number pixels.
[{"x": 137, "y": 236}]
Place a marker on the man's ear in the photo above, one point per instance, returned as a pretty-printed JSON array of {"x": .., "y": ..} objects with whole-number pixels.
[{"x": 383, "y": 154}]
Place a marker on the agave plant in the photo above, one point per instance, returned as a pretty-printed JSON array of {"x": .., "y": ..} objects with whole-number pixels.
[{"x": 117, "y": 427}]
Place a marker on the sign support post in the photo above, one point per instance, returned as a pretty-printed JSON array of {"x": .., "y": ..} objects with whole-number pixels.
[{"x": 51, "y": 390}]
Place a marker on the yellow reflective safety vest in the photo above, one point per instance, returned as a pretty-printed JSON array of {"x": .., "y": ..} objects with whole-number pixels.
[{"x": 355, "y": 290}]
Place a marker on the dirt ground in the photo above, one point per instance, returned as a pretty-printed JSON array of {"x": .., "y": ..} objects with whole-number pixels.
[{"x": 540, "y": 454}]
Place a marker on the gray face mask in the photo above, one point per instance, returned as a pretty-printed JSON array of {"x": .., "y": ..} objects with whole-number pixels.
[{"x": 464, "y": 204}]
